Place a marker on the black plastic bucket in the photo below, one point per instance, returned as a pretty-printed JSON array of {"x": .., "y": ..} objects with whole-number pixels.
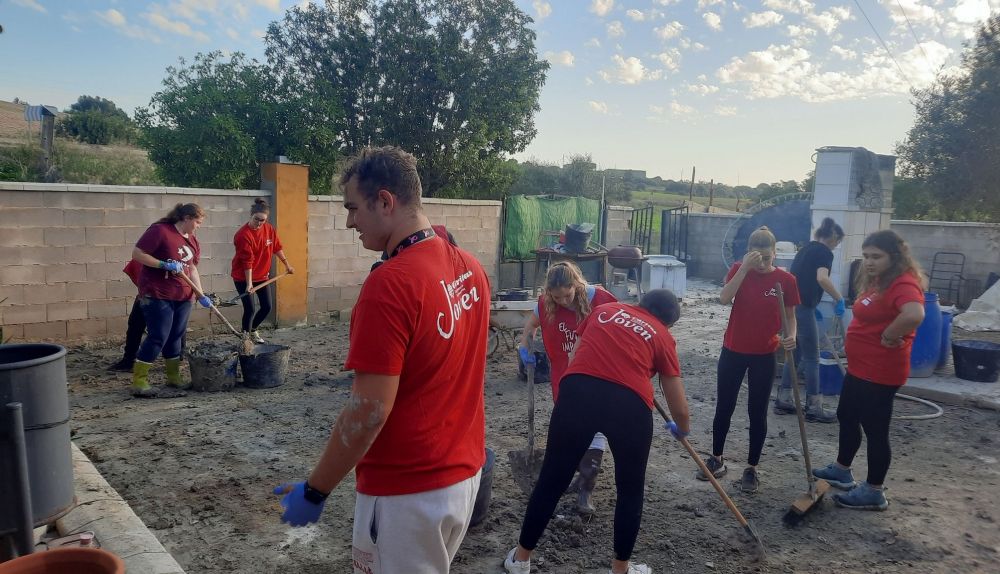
[
  {"x": 578, "y": 237},
  {"x": 213, "y": 367},
  {"x": 34, "y": 374},
  {"x": 977, "y": 361},
  {"x": 265, "y": 367},
  {"x": 482, "y": 506}
]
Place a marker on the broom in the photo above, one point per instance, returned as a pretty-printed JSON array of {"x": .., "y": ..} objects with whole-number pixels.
[{"x": 818, "y": 487}]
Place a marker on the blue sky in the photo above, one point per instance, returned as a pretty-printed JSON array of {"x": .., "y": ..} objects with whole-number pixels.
[{"x": 745, "y": 91}]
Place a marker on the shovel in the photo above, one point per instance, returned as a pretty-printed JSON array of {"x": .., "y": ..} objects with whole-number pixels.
[
  {"x": 246, "y": 344},
  {"x": 525, "y": 465},
  {"x": 234, "y": 300}
]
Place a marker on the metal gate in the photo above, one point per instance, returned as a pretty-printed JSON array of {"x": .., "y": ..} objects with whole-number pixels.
[
  {"x": 674, "y": 232},
  {"x": 642, "y": 228}
]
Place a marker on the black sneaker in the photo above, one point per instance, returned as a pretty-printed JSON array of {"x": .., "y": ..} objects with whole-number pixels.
[
  {"x": 122, "y": 366},
  {"x": 749, "y": 483},
  {"x": 715, "y": 466}
]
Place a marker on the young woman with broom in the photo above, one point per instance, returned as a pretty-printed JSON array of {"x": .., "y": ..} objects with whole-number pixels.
[
  {"x": 887, "y": 311},
  {"x": 565, "y": 303},
  {"x": 606, "y": 389},
  {"x": 748, "y": 348}
]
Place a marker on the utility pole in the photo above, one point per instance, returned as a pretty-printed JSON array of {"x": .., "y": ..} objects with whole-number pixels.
[
  {"x": 691, "y": 191},
  {"x": 711, "y": 194}
]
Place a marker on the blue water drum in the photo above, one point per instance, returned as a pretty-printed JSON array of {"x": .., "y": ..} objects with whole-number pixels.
[
  {"x": 927, "y": 343},
  {"x": 946, "y": 318}
]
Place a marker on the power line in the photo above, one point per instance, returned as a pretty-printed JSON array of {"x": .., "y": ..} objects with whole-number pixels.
[
  {"x": 884, "y": 45},
  {"x": 914, "y": 34}
]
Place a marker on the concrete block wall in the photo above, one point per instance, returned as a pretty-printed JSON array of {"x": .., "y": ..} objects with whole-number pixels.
[
  {"x": 706, "y": 232},
  {"x": 619, "y": 229},
  {"x": 339, "y": 264},
  {"x": 980, "y": 242}
]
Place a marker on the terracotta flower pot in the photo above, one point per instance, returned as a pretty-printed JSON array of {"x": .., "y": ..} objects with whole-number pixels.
[{"x": 66, "y": 561}]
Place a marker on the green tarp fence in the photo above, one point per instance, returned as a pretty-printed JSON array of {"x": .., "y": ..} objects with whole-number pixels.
[{"x": 529, "y": 215}]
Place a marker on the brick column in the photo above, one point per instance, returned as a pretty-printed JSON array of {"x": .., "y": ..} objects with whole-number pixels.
[{"x": 289, "y": 185}]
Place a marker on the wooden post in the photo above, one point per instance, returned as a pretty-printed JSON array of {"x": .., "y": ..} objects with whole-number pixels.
[
  {"x": 711, "y": 194},
  {"x": 289, "y": 186},
  {"x": 691, "y": 190},
  {"x": 48, "y": 131}
]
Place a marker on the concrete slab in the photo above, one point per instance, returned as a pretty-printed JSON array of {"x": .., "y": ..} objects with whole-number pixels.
[
  {"x": 116, "y": 527},
  {"x": 950, "y": 390}
]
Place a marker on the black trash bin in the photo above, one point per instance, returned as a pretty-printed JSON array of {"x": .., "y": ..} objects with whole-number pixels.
[{"x": 977, "y": 361}]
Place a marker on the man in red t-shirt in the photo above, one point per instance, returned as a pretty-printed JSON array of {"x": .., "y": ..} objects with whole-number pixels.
[{"x": 414, "y": 427}]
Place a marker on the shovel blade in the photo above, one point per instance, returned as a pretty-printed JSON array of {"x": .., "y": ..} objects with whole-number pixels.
[{"x": 524, "y": 468}]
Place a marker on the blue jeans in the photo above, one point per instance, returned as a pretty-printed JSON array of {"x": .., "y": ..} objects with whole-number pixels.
[
  {"x": 806, "y": 351},
  {"x": 166, "y": 323}
]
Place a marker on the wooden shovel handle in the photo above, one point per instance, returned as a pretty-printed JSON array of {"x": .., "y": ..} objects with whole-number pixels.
[
  {"x": 266, "y": 283},
  {"x": 790, "y": 359},
  {"x": 212, "y": 306}
]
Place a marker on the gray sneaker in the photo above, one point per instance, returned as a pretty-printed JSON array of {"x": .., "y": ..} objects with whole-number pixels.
[
  {"x": 749, "y": 483},
  {"x": 838, "y": 477},
  {"x": 862, "y": 497},
  {"x": 715, "y": 466},
  {"x": 783, "y": 404}
]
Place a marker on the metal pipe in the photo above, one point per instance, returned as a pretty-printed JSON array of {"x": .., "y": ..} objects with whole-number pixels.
[{"x": 24, "y": 538}]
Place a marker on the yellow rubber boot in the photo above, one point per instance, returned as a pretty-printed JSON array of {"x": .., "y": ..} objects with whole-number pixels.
[
  {"x": 174, "y": 374},
  {"x": 140, "y": 379}
]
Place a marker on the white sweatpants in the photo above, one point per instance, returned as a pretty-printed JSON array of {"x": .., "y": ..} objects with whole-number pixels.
[{"x": 412, "y": 533}]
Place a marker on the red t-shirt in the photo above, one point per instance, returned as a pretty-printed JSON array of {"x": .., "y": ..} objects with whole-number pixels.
[
  {"x": 873, "y": 311},
  {"x": 424, "y": 315},
  {"x": 559, "y": 333},
  {"x": 755, "y": 321},
  {"x": 163, "y": 241},
  {"x": 624, "y": 344},
  {"x": 254, "y": 250}
]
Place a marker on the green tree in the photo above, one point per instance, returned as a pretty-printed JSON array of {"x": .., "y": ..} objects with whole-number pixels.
[
  {"x": 217, "y": 120},
  {"x": 95, "y": 120},
  {"x": 953, "y": 146},
  {"x": 455, "y": 82}
]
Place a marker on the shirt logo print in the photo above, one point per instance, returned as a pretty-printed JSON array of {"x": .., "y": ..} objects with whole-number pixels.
[{"x": 184, "y": 253}]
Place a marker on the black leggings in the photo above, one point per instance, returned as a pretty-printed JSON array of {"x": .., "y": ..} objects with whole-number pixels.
[
  {"x": 253, "y": 320},
  {"x": 588, "y": 405},
  {"x": 867, "y": 406},
  {"x": 759, "y": 370}
]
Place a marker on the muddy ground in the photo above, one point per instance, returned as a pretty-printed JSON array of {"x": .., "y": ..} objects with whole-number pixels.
[{"x": 199, "y": 471}]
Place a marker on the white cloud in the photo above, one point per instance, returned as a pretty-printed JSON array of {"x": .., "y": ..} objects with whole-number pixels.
[
  {"x": 802, "y": 33},
  {"x": 763, "y": 19},
  {"x": 592, "y": 43},
  {"x": 272, "y": 5},
  {"x": 598, "y": 107},
  {"x": 174, "y": 26},
  {"x": 844, "y": 53},
  {"x": 702, "y": 4},
  {"x": 829, "y": 20},
  {"x": 713, "y": 20},
  {"x": 702, "y": 89},
  {"x": 686, "y": 44},
  {"x": 792, "y": 6},
  {"x": 563, "y": 58},
  {"x": 32, "y": 4},
  {"x": 188, "y": 9},
  {"x": 117, "y": 20},
  {"x": 913, "y": 10},
  {"x": 542, "y": 9},
  {"x": 615, "y": 29},
  {"x": 725, "y": 111},
  {"x": 232, "y": 33},
  {"x": 587, "y": 81},
  {"x": 113, "y": 17},
  {"x": 679, "y": 109},
  {"x": 602, "y": 7},
  {"x": 629, "y": 71},
  {"x": 670, "y": 59},
  {"x": 635, "y": 15},
  {"x": 667, "y": 2},
  {"x": 669, "y": 30}
]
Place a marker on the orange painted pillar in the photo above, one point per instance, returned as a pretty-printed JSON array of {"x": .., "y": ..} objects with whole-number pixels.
[{"x": 289, "y": 186}]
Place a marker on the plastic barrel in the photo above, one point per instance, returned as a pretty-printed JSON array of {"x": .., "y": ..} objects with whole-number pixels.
[
  {"x": 578, "y": 237},
  {"x": 66, "y": 561},
  {"x": 927, "y": 343},
  {"x": 977, "y": 361},
  {"x": 34, "y": 374},
  {"x": 946, "y": 318},
  {"x": 831, "y": 380},
  {"x": 266, "y": 367},
  {"x": 482, "y": 505}
]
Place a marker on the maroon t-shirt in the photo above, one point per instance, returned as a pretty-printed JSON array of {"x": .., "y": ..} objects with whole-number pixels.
[{"x": 163, "y": 241}]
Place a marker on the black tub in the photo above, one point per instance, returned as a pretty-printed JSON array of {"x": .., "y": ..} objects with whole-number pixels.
[
  {"x": 976, "y": 360},
  {"x": 265, "y": 367},
  {"x": 34, "y": 374}
]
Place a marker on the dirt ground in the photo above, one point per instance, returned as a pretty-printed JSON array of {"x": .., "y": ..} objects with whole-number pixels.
[{"x": 199, "y": 471}]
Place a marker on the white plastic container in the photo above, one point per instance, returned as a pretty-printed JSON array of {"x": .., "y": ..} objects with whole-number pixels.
[{"x": 664, "y": 272}]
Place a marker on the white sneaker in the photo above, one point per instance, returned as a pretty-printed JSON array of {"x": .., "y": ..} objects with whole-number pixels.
[
  {"x": 256, "y": 336},
  {"x": 515, "y": 567},
  {"x": 634, "y": 568}
]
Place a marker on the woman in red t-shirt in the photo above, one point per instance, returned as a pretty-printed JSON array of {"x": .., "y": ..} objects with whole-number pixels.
[
  {"x": 565, "y": 303},
  {"x": 256, "y": 244},
  {"x": 607, "y": 389},
  {"x": 748, "y": 348},
  {"x": 887, "y": 311}
]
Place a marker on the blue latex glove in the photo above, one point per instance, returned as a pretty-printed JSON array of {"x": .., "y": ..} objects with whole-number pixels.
[
  {"x": 675, "y": 430},
  {"x": 839, "y": 308},
  {"x": 526, "y": 357},
  {"x": 205, "y": 301},
  {"x": 172, "y": 266},
  {"x": 819, "y": 315},
  {"x": 299, "y": 511}
]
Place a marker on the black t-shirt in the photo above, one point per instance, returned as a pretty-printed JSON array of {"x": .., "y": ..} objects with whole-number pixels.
[{"x": 804, "y": 266}]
